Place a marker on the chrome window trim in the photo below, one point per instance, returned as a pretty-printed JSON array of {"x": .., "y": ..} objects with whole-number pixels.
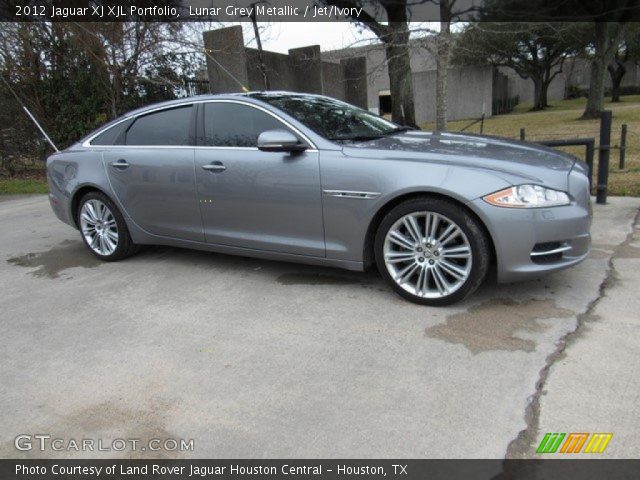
[{"x": 87, "y": 142}]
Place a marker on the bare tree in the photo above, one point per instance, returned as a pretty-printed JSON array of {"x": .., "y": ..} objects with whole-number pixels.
[
  {"x": 608, "y": 19},
  {"x": 448, "y": 14},
  {"x": 256, "y": 34},
  {"x": 127, "y": 50},
  {"x": 394, "y": 34},
  {"x": 438, "y": 44},
  {"x": 628, "y": 50},
  {"x": 442, "y": 64},
  {"x": 533, "y": 50},
  {"x": 73, "y": 77},
  {"x": 606, "y": 40}
]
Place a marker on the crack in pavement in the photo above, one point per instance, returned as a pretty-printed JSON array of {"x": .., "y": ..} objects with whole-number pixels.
[{"x": 520, "y": 446}]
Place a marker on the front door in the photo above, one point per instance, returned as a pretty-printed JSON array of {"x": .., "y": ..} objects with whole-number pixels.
[
  {"x": 254, "y": 199},
  {"x": 153, "y": 175}
]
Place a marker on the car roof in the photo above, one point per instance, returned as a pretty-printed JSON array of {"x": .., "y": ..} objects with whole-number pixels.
[{"x": 253, "y": 95}]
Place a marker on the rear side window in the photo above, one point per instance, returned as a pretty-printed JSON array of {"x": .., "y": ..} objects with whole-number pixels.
[
  {"x": 113, "y": 135},
  {"x": 167, "y": 127},
  {"x": 236, "y": 125}
]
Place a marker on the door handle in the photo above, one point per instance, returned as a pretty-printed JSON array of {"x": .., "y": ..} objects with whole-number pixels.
[
  {"x": 214, "y": 167},
  {"x": 120, "y": 164}
]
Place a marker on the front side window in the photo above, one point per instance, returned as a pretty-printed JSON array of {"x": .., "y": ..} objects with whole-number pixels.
[
  {"x": 166, "y": 127},
  {"x": 236, "y": 125},
  {"x": 330, "y": 118}
]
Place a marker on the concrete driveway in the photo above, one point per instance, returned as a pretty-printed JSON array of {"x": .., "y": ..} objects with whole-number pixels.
[{"x": 252, "y": 358}]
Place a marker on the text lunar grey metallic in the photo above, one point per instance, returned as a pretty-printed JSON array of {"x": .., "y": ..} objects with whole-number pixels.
[{"x": 432, "y": 210}]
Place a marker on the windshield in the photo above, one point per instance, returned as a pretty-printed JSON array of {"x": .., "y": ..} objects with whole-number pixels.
[{"x": 330, "y": 118}]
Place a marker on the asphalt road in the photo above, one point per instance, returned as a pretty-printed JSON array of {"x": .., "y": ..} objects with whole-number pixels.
[{"x": 252, "y": 358}]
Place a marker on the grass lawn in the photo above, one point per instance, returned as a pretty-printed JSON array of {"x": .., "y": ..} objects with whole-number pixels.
[
  {"x": 23, "y": 185},
  {"x": 561, "y": 120}
]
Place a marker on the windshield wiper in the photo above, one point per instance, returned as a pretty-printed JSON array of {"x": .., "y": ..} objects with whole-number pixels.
[
  {"x": 393, "y": 131},
  {"x": 356, "y": 138}
]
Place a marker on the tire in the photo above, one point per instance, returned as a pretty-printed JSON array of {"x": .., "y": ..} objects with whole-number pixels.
[
  {"x": 103, "y": 229},
  {"x": 436, "y": 264}
]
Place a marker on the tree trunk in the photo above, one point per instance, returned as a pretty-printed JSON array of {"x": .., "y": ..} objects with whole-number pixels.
[
  {"x": 569, "y": 77},
  {"x": 540, "y": 88},
  {"x": 616, "y": 72},
  {"x": 544, "y": 93},
  {"x": 400, "y": 79},
  {"x": 603, "y": 52},
  {"x": 442, "y": 63},
  {"x": 595, "y": 101},
  {"x": 261, "y": 65}
]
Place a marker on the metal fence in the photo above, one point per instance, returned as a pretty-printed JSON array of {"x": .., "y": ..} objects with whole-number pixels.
[
  {"x": 504, "y": 105},
  {"x": 194, "y": 86},
  {"x": 604, "y": 150}
]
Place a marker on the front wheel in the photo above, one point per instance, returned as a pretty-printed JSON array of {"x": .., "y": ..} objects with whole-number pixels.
[
  {"x": 103, "y": 228},
  {"x": 432, "y": 251}
]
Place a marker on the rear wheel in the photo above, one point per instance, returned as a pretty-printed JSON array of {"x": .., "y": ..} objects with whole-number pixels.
[
  {"x": 432, "y": 251},
  {"x": 103, "y": 228}
]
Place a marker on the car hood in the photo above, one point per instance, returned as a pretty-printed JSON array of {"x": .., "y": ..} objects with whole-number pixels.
[{"x": 506, "y": 158}]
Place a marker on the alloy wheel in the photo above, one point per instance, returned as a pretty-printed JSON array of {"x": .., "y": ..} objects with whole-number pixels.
[
  {"x": 99, "y": 227},
  {"x": 427, "y": 254}
]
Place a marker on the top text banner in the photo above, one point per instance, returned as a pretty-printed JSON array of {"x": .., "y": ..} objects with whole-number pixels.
[{"x": 364, "y": 11}]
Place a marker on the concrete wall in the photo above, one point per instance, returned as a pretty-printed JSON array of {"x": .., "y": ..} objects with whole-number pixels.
[
  {"x": 278, "y": 69},
  {"x": 469, "y": 88},
  {"x": 355, "y": 80},
  {"x": 359, "y": 75},
  {"x": 469, "y": 93},
  {"x": 226, "y": 45},
  {"x": 578, "y": 71},
  {"x": 333, "y": 80},
  {"x": 523, "y": 87},
  {"x": 302, "y": 70},
  {"x": 574, "y": 72},
  {"x": 420, "y": 57}
]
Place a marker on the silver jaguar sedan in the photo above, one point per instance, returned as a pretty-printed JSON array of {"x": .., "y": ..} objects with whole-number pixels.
[{"x": 307, "y": 178}]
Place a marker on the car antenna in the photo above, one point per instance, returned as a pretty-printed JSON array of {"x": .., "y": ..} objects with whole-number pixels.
[
  {"x": 33, "y": 119},
  {"x": 206, "y": 52}
]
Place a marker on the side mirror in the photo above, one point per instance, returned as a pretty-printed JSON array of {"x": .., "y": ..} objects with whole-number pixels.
[{"x": 279, "y": 141}]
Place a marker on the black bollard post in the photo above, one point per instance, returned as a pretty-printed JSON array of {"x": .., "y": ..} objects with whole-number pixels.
[
  {"x": 623, "y": 145},
  {"x": 603, "y": 157},
  {"x": 589, "y": 159}
]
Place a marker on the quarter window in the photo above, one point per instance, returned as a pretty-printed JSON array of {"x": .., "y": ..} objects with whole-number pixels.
[
  {"x": 236, "y": 125},
  {"x": 167, "y": 127},
  {"x": 113, "y": 135}
]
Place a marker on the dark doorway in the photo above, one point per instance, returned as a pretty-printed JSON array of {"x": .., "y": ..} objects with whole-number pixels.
[{"x": 384, "y": 104}]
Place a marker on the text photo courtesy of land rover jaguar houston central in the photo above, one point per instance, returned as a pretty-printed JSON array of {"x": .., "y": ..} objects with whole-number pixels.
[{"x": 307, "y": 178}]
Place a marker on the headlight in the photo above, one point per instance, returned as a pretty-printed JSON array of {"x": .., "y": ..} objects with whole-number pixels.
[{"x": 528, "y": 196}]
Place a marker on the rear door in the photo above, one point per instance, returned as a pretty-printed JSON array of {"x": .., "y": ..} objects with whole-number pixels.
[
  {"x": 255, "y": 199},
  {"x": 153, "y": 176}
]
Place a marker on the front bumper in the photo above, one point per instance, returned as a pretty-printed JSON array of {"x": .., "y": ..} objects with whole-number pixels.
[{"x": 532, "y": 242}]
